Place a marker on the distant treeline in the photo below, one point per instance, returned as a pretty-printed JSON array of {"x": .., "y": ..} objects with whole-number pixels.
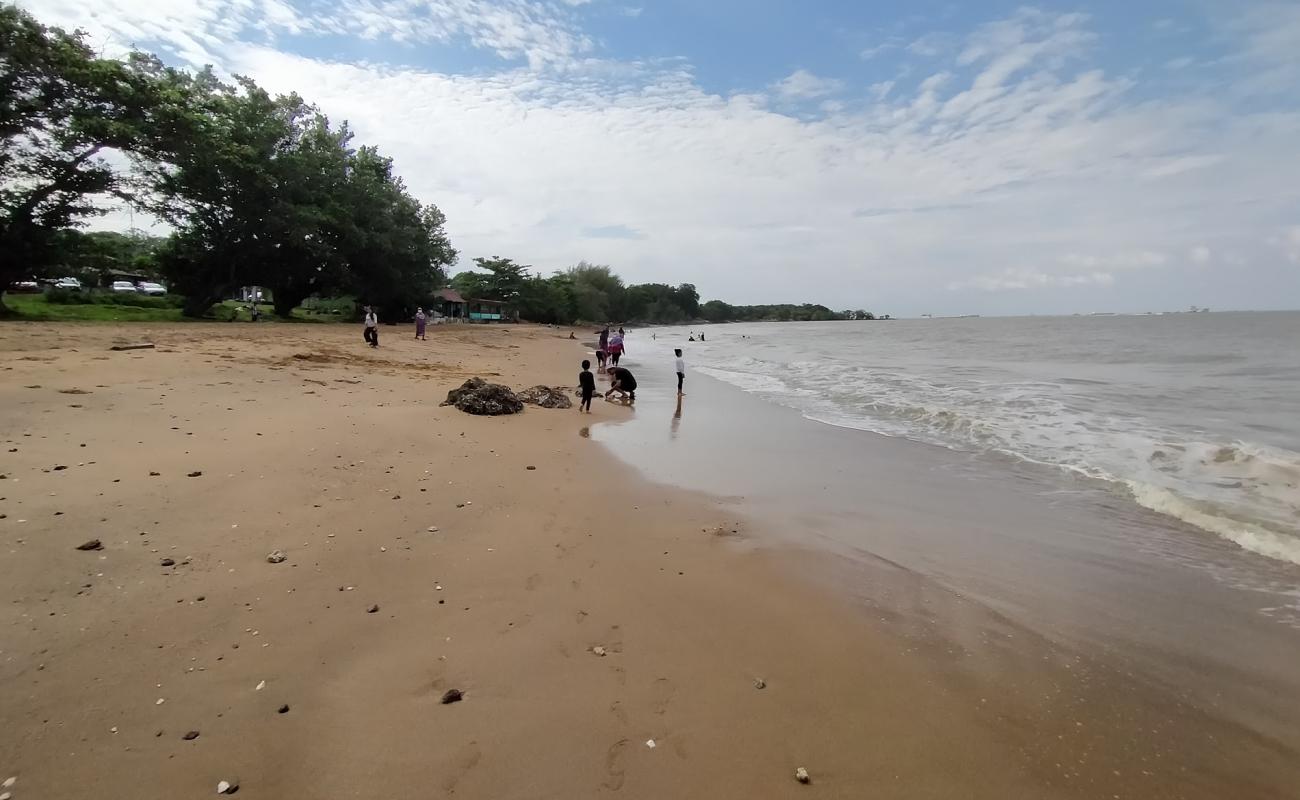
[{"x": 593, "y": 293}]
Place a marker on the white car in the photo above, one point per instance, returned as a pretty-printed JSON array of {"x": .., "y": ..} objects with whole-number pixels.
[
  {"x": 67, "y": 283},
  {"x": 147, "y": 287},
  {"x": 122, "y": 287}
]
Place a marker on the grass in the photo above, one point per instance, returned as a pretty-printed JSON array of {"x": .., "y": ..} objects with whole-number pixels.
[{"x": 37, "y": 307}]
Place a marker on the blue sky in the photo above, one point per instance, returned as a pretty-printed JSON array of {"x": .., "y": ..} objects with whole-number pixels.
[{"x": 908, "y": 157}]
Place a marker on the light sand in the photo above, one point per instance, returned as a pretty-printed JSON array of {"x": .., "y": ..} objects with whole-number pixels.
[{"x": 311, "y": 443}]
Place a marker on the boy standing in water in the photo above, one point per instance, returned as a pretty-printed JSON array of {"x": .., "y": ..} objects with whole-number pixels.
[
  {"x": 587, "y": 382},
  {"x": 681, "y": 370}
]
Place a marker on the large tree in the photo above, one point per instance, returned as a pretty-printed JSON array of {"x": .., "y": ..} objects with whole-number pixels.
[{"x": 63, "y": 110}]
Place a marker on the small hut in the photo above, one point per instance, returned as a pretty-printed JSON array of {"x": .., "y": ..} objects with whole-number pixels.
[{"x": 450, "y": 304}]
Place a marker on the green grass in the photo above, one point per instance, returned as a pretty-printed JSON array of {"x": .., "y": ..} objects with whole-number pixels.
[{"x": 37, "y": 307}]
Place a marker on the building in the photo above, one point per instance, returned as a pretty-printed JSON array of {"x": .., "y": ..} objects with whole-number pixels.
[
  {"x": 487, "y": 311},
  {"x": 450, "y": 304}
]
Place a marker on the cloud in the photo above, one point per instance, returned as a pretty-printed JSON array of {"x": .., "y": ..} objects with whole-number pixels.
[
  {"x": 1137, "y": 259},
  {"x": 1019, "y": 149},
  {"x": 803, "y": 85},
  {"x": 932, "y": 44},
  {"x": 871, "y": 52},
  {"x": 537, "y": 31},
  {"x": 632, "y": 11},
  {"x": 613, "y": 232},
  {"x": 1200, "y": 254},
  {"x": 1288, "y": 241},
  {"x": 1021, "y": 278}
]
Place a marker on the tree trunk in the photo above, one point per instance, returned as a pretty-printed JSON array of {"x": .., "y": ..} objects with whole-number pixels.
[{"x": 285, "y": 300}]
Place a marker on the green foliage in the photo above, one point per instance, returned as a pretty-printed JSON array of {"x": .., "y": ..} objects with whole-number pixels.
[
  {"x": 38, "y": 307},
  {"x": 61, "y": 106}
]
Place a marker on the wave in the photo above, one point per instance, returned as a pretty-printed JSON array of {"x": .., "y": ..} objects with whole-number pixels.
[{"x": 1246, "y": 493}]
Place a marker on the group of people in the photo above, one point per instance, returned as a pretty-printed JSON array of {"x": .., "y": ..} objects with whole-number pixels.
[
  {"x": 610, "y": 348},
  {"x": 370, "y": 325},
  {"x": 621, "y": 380}
]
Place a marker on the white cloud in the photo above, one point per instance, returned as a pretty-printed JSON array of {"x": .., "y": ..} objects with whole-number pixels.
[
  {"x": 1200, "y": 254},
  {"x": 1024, "y": 153},
  {"x": 932, "y": 44},
  {"x": 871, "y": 52},
  {"x": 1289, "y": 243},
  {"x": 803, "y": 85},
  {"x": 1136, "y": 259},
  {"x": 1020, "y": 278},
  {"x": 196, "y": 30}
]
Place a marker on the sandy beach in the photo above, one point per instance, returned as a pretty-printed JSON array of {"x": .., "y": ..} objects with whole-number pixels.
[{"x": 611, "y": 636}]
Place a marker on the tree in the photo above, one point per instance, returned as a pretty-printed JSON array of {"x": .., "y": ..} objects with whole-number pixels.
[
  {"x": 62, "y": 110},
  {"x": 598, "y": 293},
  {"x": 505, "y": 280}
]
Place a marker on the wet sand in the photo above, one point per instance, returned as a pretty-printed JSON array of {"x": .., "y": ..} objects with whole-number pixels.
[{"x": 310, "y": 443}]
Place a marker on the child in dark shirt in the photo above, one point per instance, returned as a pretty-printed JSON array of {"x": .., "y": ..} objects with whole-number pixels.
[{"x": 587, "y": 382}]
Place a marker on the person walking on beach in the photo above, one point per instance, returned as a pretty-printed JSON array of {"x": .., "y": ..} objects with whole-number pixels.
[
  {"x": 681, "y": 371},
  {"x": 420, "y": 321},
  {"x": 622, "y": 381},
  {"x": 615, "y": 348},
  {"x": 602, "y": 349},
  {"x": 372, "y": 327},
  {"x": 587, "y": 383}
]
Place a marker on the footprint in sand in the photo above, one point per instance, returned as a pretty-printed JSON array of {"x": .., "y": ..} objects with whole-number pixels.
[
  {"x": 462, "y": 764},
  {"x": 661, "y": 694},
  {"x": 616, "y": 708},
  {"x": 614, "y": 765}
]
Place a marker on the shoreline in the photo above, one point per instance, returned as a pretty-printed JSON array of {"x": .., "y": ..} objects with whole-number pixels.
[
  {"x": 309, "y": 443},
  {"x": 938, "y": 544}
]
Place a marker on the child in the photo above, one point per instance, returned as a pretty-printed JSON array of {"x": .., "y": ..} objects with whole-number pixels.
[
  {"x": 587, "y": 382},
  {"x": 600, "y": 358},
  {"x": 681, "y": 371}
]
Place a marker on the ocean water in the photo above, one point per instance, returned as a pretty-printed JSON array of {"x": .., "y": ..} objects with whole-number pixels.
[{"x": 1196, "y": 416}]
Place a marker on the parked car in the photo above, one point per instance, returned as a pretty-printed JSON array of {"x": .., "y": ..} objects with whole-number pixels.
[
  {"x": 24, "y": 286},
  {"x": 150, "y": 288},
  {"x": 122, "y": 287},
  {"x": 67, "y": 283}
]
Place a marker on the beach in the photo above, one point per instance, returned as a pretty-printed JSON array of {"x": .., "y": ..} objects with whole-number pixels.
[{"x": 622, "y": 618}]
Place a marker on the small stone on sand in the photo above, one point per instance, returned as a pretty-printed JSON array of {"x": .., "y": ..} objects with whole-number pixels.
[
  {"x": 194, "y": 474},
  {"x": 284, "y": 709},
  {"x": 227, "y": 787},
  {"x": 93, "y": 544},
  {"x": 452, "y": 696},
  {"x": 373, "y": 609},
  {"x": 275, "y": 557},
  {"x": 167, "y": 562},
  {"x": 598, "y": 650},
  {"x": 802, "y": 775}
]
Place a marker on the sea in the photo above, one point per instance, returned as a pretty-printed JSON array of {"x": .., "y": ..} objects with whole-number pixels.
[{"x": 1192, "y": 415}]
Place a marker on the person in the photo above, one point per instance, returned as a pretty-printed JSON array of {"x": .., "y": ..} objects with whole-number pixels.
[
  {"x": 601, "y": 355},
  {"x": 681, "y": 370},
  {"x": 571, "y": 336},
  {"x": 372, "y": 327},
  {"x": 692, "y": 338},
  {"x": 622, "y": 381},
  {"x": 701, "y": 336},
  {"x": 604, "y": 338},
  {"x": 255, "y": 312},
  {"x": 615, "y": 348},
  {"x": 420, "y": 321},
  {"x": 587, "y": 383}
]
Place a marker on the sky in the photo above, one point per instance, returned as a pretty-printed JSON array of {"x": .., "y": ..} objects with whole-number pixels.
[{"x": 904, "y": 157}]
